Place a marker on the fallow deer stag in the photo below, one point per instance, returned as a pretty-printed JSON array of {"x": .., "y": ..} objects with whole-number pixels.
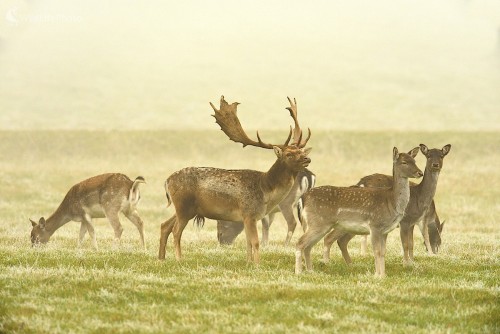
[
  {"x": 234, "y": 195},
  {"x": 227, "y": 231},
  {"x": 357, "y": 211},
  {"x": 421, "y": 207},
  {"x": 100, "y": 196}
]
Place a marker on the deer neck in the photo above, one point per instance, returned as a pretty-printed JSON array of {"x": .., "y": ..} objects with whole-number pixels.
[
  {"x": 427, "y": 188},
  {"x": 57, "y": 219},
  {"x": 400, "y": 191},
  {"x": 278, "y": 180}
]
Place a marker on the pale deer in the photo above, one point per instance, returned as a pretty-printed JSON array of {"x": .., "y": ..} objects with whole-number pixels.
[
  {"x": 227, "y": 231},
  {"x": 234, "y": 195},
  {"x": 430, "y": 218},
  {"x": 375, "y": 211},
  {"x": 100, "y": 196},
  {"x": 420, "y": 208}
]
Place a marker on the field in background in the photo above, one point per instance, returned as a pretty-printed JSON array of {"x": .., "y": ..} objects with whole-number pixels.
[{"x": 59, "y": 288}]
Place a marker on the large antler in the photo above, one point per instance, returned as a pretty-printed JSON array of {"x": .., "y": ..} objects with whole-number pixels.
[
  {"x": 228, "y": 120},
  {"x": 297, "y": 132}
]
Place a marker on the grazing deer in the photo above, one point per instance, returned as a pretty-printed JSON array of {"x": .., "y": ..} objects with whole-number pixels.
[
  {"x": 100, "y": 196},
  {"x": 234, "y": 195},
  {"x": 420, "y": 208},
  {"x": 227, "y": 231},
  {"x": 357, "y": 211}
]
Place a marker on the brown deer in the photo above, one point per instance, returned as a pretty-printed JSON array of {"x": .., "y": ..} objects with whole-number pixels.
[
  {"x": 420, "y": 208},
  {"x": 100, "y": 196},
  {"x": 234, "y": 195},
  {"x": 375, "y": 211},
  {"x": 227, "y": 231}
]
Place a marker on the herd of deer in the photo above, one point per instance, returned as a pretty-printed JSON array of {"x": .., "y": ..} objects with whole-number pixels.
[{"x": 237, "y": 199}]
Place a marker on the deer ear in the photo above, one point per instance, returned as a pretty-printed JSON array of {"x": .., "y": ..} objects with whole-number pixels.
[
  {"x": 424, "y": 149},
  {"x": 42, "y": 223},
  {"x": 446, "y": 149},
  {"x": 414, "y": 152},
  {"x": 307, "y": 150},
  {"x": 32, "y": 223},
  {"x": 395, "y": 153},
  {"x": 278, "y": 151}
]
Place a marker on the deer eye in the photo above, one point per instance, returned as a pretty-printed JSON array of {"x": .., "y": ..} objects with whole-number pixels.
[{"x": 404, "y": 163}]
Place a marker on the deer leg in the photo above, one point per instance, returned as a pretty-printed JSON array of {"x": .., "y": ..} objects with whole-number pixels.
[
  {"x": 90, "y": 229},
  {"x": 410, "y": 243},
  {"x": 287, "y": 212},
  {"x": 252, "y": 240},
  {"x": 305, "y": 244},
  {"x": 83, "y": 231},
  {"x": 179, "y": 226},
  {"x": 364, "y": 243},
  {"x": 135, "y": 219},
  {"x": 266, "y": 223},
  {"x": 425, "y": 234},
  {"x": 377, "y": 251},
  {"x": 330, "y": 238},
  {"x": 383, "y": 244},
  {"x": 166, "y": 229},
  {"x": 404, "y": 231},
  {"x": 114, "y": 220},
  {"x": 342, "y": 242}
]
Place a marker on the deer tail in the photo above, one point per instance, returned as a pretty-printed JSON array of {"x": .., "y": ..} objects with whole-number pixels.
[
  {"x": 300, "y": 208},
  {"x": 134, "y": 195},
  {"x": 167, "y": 194},
  {"x": 199, "y": 221}
]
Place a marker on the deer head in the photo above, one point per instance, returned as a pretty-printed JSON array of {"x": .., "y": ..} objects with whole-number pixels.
[
  {"x": 39, "y": 234},
  {"x": 294, "y": 154},
  {"x": 435, "y": 156},
  {"x": 406, "y": 164}
]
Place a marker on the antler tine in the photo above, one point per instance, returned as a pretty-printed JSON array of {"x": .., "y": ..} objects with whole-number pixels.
[
  {"x": 289, "y": 137},
  {"x": 297, "y": 132},
  {"x": 229, "y": 123},
  {"x": 301, "y": 145}
]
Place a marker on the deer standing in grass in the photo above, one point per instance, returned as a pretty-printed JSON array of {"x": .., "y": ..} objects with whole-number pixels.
[
  {"x": 227, "y": 231},
  {"x": 234, "y": 195},
  {"x": 100, "y": 196},
  {"x": 375, "y": 211},
  {"x": 421, "y": 207}
]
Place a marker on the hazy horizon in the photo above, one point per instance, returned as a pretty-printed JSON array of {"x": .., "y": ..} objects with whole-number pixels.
[{"x": 155, "y": 65}]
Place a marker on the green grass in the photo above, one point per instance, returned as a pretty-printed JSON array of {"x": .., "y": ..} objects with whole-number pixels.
[{"x": 61, "y": 289}]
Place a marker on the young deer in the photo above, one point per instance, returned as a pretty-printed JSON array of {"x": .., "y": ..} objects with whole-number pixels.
[
  {"x": 357, "y": 211},
  {"x": 100, "y": 196},
  {"x": 227, "y": 231},
  {"x": 234, "y": 195},
  {"x": 420, "y": 208}
]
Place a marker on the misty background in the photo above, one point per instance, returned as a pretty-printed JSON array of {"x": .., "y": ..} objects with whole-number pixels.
[{"x": 364, "y": 65}]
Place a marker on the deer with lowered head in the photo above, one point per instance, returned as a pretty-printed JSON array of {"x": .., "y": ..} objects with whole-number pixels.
[
  {"x": 421, "y": 207},
  {"x": 227, "y": 231},
  {"x": 100, "y": 196},
  {"x": 234, "y": 195},
  {"x": 375, "y": 211}
]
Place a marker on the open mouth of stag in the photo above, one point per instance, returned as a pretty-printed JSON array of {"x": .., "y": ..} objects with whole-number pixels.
[{"x": 306, "y": 162}]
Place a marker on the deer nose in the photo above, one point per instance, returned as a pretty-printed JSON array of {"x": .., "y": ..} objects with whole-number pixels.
[
  {"x": 420, "y": 174},
  {"x": 435, "y": 165}
]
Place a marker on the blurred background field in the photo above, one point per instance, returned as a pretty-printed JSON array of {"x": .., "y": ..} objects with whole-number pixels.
[{"x": 93, "y": 87}]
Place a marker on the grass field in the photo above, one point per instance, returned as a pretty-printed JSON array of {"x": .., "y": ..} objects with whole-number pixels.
[{"x": 62, "y": 289}]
